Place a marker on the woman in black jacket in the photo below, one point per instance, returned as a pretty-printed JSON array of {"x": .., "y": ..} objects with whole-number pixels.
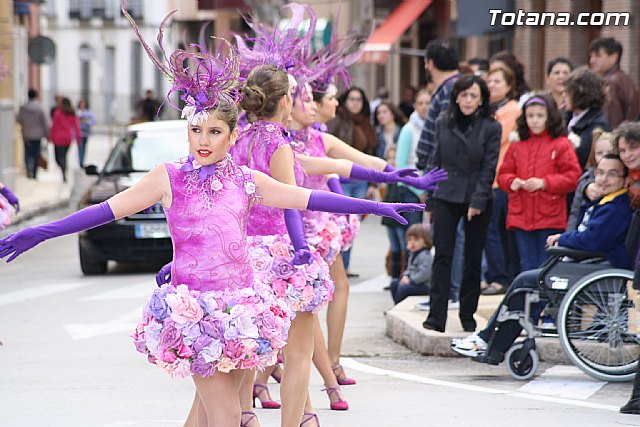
[
  {"x": 585, "y": 95},
  {"x": 468, "y": 142}
]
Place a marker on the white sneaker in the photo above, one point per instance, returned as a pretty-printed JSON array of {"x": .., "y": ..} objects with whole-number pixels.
[
  {"x": 470, "y": 346},
  {"x": 454, "y": 305},
  {"x": 423, "y": 305}
]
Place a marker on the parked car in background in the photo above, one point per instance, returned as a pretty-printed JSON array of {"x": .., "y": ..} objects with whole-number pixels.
[{"x": 144, "y": 236}]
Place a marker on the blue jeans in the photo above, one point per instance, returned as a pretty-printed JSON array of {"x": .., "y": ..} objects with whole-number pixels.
[
  {"x": 531, "y": 245},
  {"x": 356, "y": 189},
  {"x": 500, "y": 250},
  {"x": 31, "y": 155},
  {"x": 400, "y": 292},
  {"x": 82, "y": 149}
]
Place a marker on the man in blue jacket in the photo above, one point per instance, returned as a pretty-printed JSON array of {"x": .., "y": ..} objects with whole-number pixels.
[{"x": 603, "y": 228}]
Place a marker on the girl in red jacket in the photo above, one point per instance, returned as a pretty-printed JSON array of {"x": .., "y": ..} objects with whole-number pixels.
[
  {"x": 65, "y": 127},
  {"x": 537, "y": 173}
]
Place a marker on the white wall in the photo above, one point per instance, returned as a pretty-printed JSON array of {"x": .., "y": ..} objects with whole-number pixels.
[{"x": 64, "y": 76}]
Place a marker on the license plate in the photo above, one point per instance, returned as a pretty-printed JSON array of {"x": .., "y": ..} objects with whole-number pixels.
[{"x": 152, "y": 231}]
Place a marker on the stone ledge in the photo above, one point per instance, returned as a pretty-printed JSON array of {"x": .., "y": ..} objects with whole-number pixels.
[{"x": 404, "y": 326}]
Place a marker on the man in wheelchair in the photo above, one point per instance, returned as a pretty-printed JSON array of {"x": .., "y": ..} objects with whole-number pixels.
[{"x": 603, "y": 228}]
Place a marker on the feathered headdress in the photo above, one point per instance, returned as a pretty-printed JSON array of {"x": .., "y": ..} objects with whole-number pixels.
[
  {"x": 287, "y": 46},
  {"x": 213, "y": 78},
  {"x": 333, "y": 61}
]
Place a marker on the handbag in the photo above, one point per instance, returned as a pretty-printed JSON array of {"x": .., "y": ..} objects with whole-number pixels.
[{"x": 43, "y": 157}]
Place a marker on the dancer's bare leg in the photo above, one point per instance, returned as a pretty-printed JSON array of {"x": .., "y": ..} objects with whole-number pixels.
[
  {"x": 246, "y": 396},
  {"x": 219, "y": 399},
  {"x": 322, "y": 362},
  {"x": 337, "y": 310},
  {"x": 297, "y": 365},
  {"x": 192, "y": 418}
]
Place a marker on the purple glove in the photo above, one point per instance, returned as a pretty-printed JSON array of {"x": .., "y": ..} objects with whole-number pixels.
[
  {"x": 345, "y": 180},
  {"x": 334, "y": 185},
  {"x": 370, "y": 175},
  {"x": 335, "y": 203},
  {"x": 26, "y": 239},
  {"x": 428, "y": 181},
  {"x": 388, "y": 168},
  {"x": 164, "y": 275},
  {"x": 295, "y": 228},
  {"x": 11, "y": 198}
]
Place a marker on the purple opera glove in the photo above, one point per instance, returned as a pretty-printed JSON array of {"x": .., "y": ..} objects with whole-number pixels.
[
  {"x": 428, "y": 181},
  {"x": 388, "y": 168},
  {"x": 164, "y": 275},
  {"x": 345, "y": 180},
  {"x": 295, "y": 228},
  {"x": 11, "y": 198},
  {"x": 26, "y": 239},
  {"x": 335, "y": 203},
  {"x": 334, "y": 185},
  {"x": 370, "y": 175}
]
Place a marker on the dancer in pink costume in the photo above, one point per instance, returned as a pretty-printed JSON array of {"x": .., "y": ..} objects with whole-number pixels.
[{"x": 284, "y": 49}]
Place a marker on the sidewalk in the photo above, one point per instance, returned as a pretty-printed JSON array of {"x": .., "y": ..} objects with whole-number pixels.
[
  {"x": 48, "y": 192},
  {"x": 404, "y": 326}
]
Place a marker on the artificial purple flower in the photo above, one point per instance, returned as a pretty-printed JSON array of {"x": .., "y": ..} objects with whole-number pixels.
[
  {"x": 170, "y": 337},
  {"x": 158, "y": 306},
  {"x": 203, "y": 171},
  {"x": 282, "y": 268},
  {"x": 201, "y": 368}
]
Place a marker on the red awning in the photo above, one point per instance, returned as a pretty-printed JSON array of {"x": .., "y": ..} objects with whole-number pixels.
[{"x": 377, "y": 47}]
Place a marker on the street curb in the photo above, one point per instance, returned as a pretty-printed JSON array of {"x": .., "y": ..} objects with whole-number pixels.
[
  {"x": 404, "y": 326},
  {"x": 40, "y": 210}
]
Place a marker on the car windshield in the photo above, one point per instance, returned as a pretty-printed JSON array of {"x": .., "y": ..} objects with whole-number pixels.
[{"x": 141, "y": 151}]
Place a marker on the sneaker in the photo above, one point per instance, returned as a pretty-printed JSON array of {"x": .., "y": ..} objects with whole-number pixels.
[
  {"x": 471, "y": 346},
  {"x": 423, "y": 305},
  {"x": 547, "y": 324}
]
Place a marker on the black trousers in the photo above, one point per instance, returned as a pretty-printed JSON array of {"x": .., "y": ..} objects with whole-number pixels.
[
  {"x": 61, "y": 159},
  {"x": 446, "y": 216}
]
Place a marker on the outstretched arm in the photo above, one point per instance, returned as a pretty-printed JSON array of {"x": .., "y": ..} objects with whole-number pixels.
[
  {"x": 338, "y": 149},
  {"x": 274, "y": 193},
  {"x": 11, "y": 198},
  {"x": 145, "y": 193}
]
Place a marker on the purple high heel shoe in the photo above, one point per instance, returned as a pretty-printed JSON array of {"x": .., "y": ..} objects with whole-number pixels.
[
  {"x": 342, "y": 378},
  {"x": 339, "y": 404}
]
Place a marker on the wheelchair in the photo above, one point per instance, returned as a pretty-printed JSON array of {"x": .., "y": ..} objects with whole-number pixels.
[{"x": 597, "y": 314}]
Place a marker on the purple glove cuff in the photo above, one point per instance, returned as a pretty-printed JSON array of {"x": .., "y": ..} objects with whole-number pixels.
[
  {"x": 87, "y": 218},
  {"x": 388, "y": 168},
  {"x": 336, "y": 203},
  {"x": 365, "y": 174},
  {"x": 334, "y": 185},
  {"x": 11, "y": 198}
]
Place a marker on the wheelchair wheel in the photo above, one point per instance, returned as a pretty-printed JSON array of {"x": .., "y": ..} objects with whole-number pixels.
[
  {"x": 521, "y": 366},
  {"x": 593, "y": 326}
]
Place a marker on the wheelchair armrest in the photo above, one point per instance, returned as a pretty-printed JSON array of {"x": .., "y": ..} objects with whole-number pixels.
[{"x": 576, "y": 254}]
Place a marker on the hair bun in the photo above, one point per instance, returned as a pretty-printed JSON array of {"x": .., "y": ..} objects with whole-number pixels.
[{"x": 253, "y": 99}]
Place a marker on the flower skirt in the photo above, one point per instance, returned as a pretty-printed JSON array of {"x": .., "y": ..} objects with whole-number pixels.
[
  {"x": 187, "y": 332},
  {"x": 329, "y": 233},
  {"x": 304, "y": 287}
]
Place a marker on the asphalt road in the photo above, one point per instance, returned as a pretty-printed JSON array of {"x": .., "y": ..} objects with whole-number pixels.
[{"x": 67, "y": 360}]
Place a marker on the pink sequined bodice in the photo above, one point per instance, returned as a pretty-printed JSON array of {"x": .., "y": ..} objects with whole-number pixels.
[
  {"x": 254, "y": 148},
  {"x": 309, "y": 141},
  {"x": 207, "y": 221}
]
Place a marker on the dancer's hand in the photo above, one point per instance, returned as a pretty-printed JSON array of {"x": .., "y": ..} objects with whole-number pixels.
[
  {"x": 392, "y": 210},
  {"x": 20, "y": 242},
  {"x": 302, "y": 256},
  {"x": 11, "y": 198},
  {"x": 164, "y": 275},
  {"x": 428, "y": 181}
]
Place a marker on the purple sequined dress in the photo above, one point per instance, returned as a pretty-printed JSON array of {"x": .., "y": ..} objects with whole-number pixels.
[
  {"x": 305, "y": 287},
  {"x": 328, "y": 233},
  {"x": 215, "y": 315}
]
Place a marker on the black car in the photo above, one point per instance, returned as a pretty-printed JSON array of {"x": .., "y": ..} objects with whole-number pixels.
[{"x": 144, "y": 236}]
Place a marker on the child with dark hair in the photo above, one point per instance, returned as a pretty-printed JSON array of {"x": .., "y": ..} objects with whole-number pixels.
[
  {"x": 416, "y": 278},
  {"x": 537, "y": 173}
]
